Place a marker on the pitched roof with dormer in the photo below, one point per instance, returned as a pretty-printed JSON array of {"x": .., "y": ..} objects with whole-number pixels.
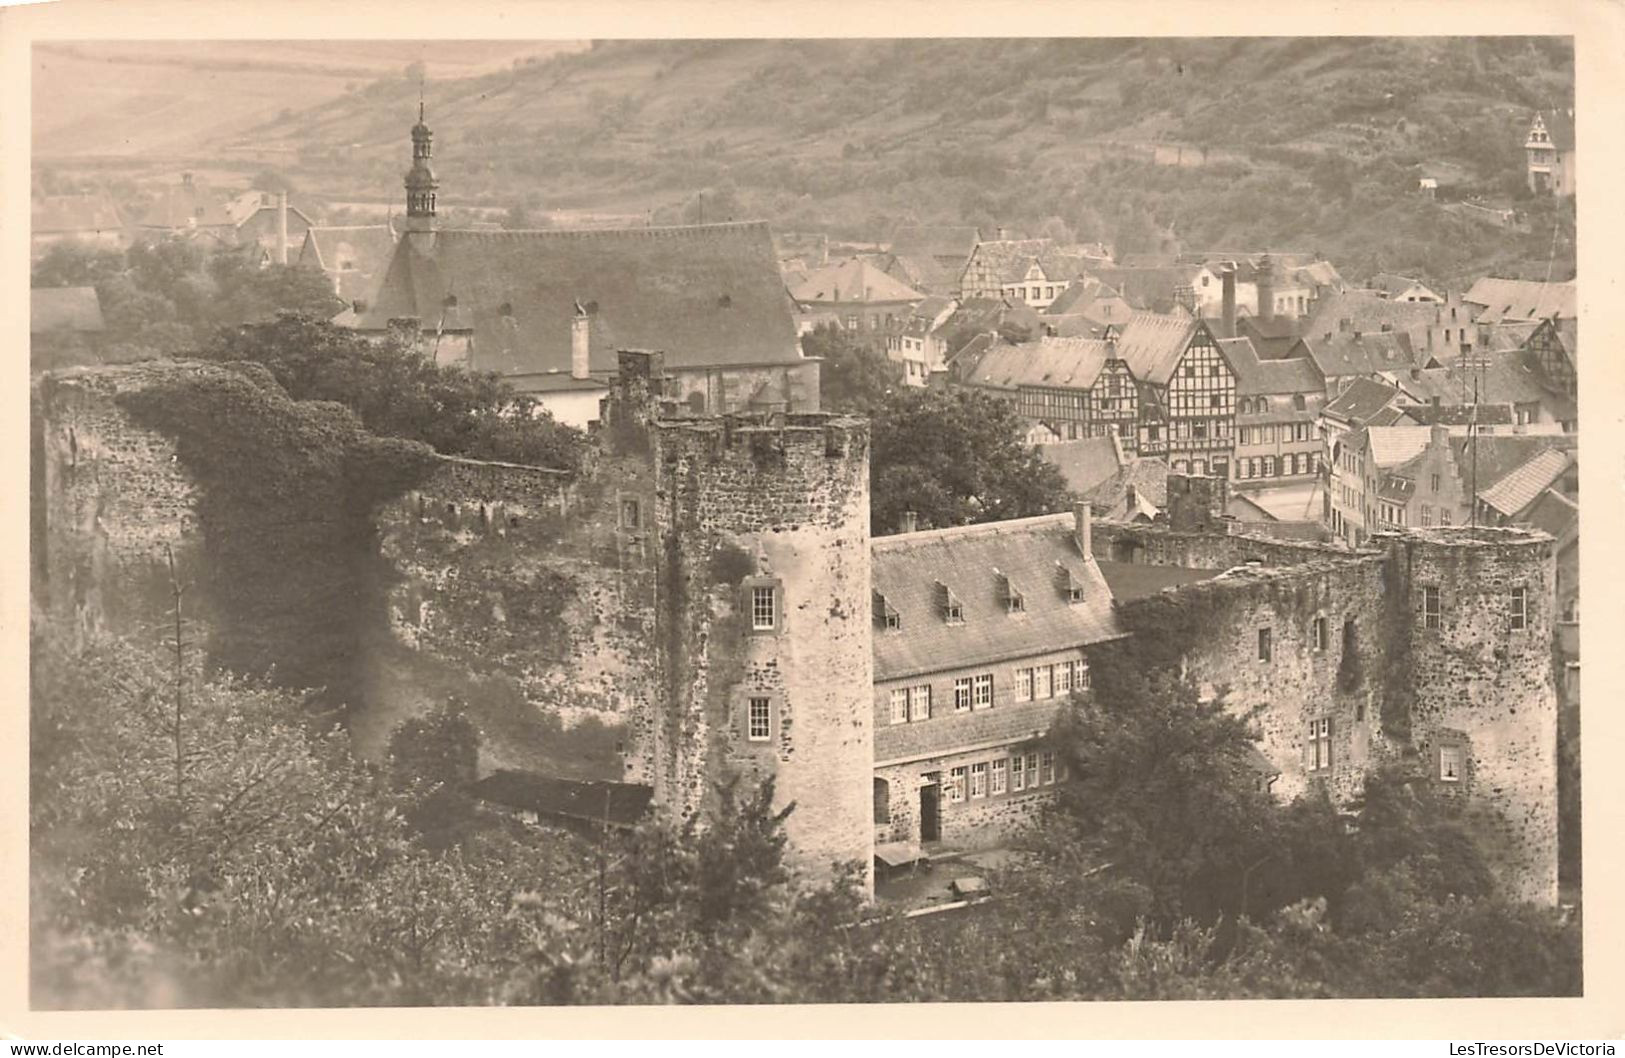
[
  {"x": 1259, "y": 377},
  {"x": 1039, "y": 556},
  {"x": 1010, "y": 260},
  {"x": 707, "y": 295},
  {"x": 1361, "y": 354},
  {"x": 1509, "y": 300}
]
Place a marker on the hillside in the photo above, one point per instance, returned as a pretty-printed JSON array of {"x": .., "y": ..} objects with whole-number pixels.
[{"x": 1310, "y": 144}]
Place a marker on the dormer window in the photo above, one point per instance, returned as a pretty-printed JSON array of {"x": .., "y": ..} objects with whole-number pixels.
[
  {"x": 886, "y": 614},
  {"x": 1014, "y": 600},
  {"x": 1070, "y": 585},
  {"x": 953, "y": 611}
]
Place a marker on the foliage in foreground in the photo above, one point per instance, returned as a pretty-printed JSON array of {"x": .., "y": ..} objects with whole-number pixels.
[{"x": 223, "y": 855}]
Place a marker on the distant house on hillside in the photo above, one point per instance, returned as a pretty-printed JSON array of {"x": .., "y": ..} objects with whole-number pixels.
[
  {"x": 192, "y": 209},
  {"x": 549, "y": 310},
  {"x": 855, "y": 296},
  {"x": 1033, "y": 271},
  {"x": 1550, "y": 150},
  {"x": 1402, "y": 288},
  {"x": 92, "y": 219}
]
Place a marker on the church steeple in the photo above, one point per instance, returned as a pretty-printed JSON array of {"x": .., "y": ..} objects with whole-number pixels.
[{"x": 421, "y": 184}]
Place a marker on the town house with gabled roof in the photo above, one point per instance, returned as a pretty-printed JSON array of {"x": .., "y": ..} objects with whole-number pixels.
[
  {"x": 981, "y": 632},
  {"x": 548, "y": 310},
  {"x": 1071, "y": 388},
  {"x": 1277, "y": 404},
  {"x": 1549, "y": 147},
  {"x": 1187, "y": 393},
  {"x": 1033, "y": 271}
]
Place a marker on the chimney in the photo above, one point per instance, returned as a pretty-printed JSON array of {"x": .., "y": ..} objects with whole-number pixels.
[
  {"x": 281, "y": 227},
  {"x": 1131, "y": 498},
  {"x": 1228, "y": 278},
  {"x": 1082, "y": 529},
  {"x": 186, "y": 179},
  {"x": 1435, "y": 403},
  {"x": 1356, "y": 335},
  {"x": 580, "y": 343},
  {"x": 1387, "y": 327},
  {"x": 911, "y": 521},
  {"x": 1001, "y": 235},
  {"x": 1416, "y": 373},
  {"x": 1266, "y": 288},
  {"x": 1345, "y": 324}
]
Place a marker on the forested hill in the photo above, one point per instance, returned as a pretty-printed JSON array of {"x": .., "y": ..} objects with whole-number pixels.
[{"x": 1297, "y": 143}]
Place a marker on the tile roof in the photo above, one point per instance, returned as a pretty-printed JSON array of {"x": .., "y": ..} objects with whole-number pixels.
[
  {"x": 1393, "y": 284},
  {"x": 1367, "y": 311},
  {"x": 1496, "y": 378},
  {"x": 63, "y": 214},
  {"x": 1519, "y": 488},
  {"x": 1085, "y": 463},
  {"x": 921, "y": 273},
  {"x": 1506, "y": 300},
  {"x": 852, "y": 280},
  {"x": 1461, "y": 414},
  {"x": 708, "y": 295},
  {"x": 1039, "y": 556},
  {"x": 1065, "y": 363},
  {"x": 1147, "y": 475},
  {"x": 366, "y": 248},
  {"x": 1321, "y": 274},
  {"x": 64, "y": 309},
  {"x": 1364, "y": 398},
  {"x": 189, "y": 204},
  {"x": 1152, "y": 345},
  {"x": 1136, "y": 580},
  {"x": 1501, "y": 337},
  {"x": 1392, "y": 445},
  {"x": 942, "y": 241},
  {"x": 1255, "y": 377}
]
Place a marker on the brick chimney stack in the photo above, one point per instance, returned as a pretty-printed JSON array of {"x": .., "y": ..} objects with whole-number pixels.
[{"x": 1082, "y": 528}]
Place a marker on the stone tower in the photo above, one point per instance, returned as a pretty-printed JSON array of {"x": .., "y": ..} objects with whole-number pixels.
[
  {"x": 763, "y": 621},
  {"x": 421, "y": 184},
  {"x": 1474, "y": 621}
]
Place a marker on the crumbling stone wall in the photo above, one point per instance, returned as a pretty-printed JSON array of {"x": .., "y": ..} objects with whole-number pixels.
[
  {"x": 110, "y": 500},
  {"x": 780, "y": 503},
  {"x": 1165, "y": 546},
  {"x": 1477, "y": 681}
]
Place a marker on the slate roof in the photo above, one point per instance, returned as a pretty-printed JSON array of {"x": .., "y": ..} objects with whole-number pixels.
[
  {"x": 366, "y": 247},
  {"x": 708, "y": 295},
  {"x": 1366, "y": 312},
  {"x": 1153, "y": 345},
  {"x": 1149, "y": 289},
  {"x": 1506, "y": 300},
  {"x": 1393, "y": 284},
  {"x": 1085, "y": 463},
  {"x": 922, "y": 273},
  {"x": 1553, "y": 513},
  {"x": 583, "y": 799},
  {"x": 1148, "y": 476},
  {"x": 67, "y": 214},
  {"x": 1039, "y": 556},
  {"x": 1008, "y": 260},
  {"x": 1365, "y": 354},
  {"x": 1502, "y": 378},
  {"x": 1362, "y": 400},
  {"x": 1392, "y": 445},
  {"x": 1559, "y": 124},
  {"x": 852, "y": 280},
  {"x": 1255, "y": 377},
  {"x": 938, "y": 241},
  {"x": 64, "y": 309},
  {"x": 1502, "y": 337},
  {"x": 1519, "y": 488},
  {"x": 1065, "y": 363},
  {"x": 1461, "y": 414},
  {"x": 1502, "y": 455}
]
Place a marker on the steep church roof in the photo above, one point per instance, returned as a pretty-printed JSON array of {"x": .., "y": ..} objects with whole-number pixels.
[{"x": 708, "y": 295}]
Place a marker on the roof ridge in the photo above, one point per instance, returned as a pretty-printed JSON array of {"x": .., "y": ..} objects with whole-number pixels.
[
  {"x": 653, "y": 231},
  {"x": 974, "y": 529}
]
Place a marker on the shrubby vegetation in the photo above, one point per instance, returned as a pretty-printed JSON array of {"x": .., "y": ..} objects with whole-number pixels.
[{"x": 194, "y": 843}]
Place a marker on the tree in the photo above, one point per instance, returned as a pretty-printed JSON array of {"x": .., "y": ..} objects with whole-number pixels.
[
  {"x": 76, "y": 264},
  {"x": 955, "y": 457},
  {"x": 434, "y": 759},
  {"x": 853, "y": 377},
  {"x": 1164, "y": 788},
  {"x": 398, "y": 392}
]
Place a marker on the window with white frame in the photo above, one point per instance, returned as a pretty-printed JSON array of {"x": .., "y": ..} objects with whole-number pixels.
[
  {"x": 1032, "y": 771},
  {"x": 1320, "y": 744},
  {"x": 1452, "y": 759},
  {"x": 1432, "y": 608},
  {"x": 1018, "y": 777},
  {"x": 759, "y": 722},
  {"x": 1063, "y": 677},
  {"x": 764, "y": 608},
  {"x": 1520, "y": 609},
  {"x": 919, "y": 702},
  {"x": 1319, "y": 629},
  {"x": 978, "y": 779},
  {"x": 1024, "y": 685},
  {"x": 962, "y": 694},
  {"x": 1080, "y": 674},
  {"x": 899, "y": 705},
  {"x": 982, "y": 691},
  {"x": 1044, "y": 682},
  {"x": 1046, "y": 767},
  {"x": 997, "y": 781},
  {"x": 956, "y": 785}
]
